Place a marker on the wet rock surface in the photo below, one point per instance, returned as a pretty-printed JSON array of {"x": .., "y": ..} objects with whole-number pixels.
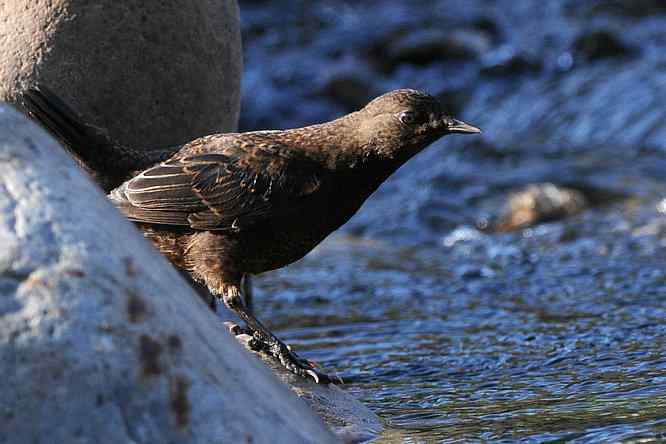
[
  {"x": 600, "y": 44},
  {"x": 349, "y": 419},
  {"x": 427, "y": 46},
  {"x": 100, "y": 339},
  {"x": 540, "y": 203},
  {"x": 445, "y": 327}
]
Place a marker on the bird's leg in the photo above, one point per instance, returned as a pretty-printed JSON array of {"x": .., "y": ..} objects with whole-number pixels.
[
  {"x": 268, "y": 342},
  {"x": 246, "y": 284}
]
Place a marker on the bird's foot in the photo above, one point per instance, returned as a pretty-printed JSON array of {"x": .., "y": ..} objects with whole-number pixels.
[
  {"x": 297, "y": 365},
  {"x": 281, "y": 351}
]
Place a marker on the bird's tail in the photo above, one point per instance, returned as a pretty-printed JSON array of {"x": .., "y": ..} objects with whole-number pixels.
[
  {"x": 63, "y": 122},
  {"x": 110, "y": 163}
]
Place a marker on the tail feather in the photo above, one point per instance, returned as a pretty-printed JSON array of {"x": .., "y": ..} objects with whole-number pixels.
[
  {"x": 63, "y": 122},
  {"x": 110, "y": 163}
]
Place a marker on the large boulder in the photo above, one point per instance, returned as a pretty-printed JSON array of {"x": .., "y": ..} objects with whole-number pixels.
[
  {"x": 100, "y": 339},
  {"x": 153, "y": 73}
]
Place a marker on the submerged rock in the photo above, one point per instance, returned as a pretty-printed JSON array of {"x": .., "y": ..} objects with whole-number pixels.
[
  {"x": 600, "y": 44},
  {"x": 422, "y": 47},
  {"x": 540, "y": 203},
  {"x": 100, "y": 339},
  {"x": 507, "y": 61},
  {"x": 624, "y": 8},
  {"x": 350, "y": 84}
]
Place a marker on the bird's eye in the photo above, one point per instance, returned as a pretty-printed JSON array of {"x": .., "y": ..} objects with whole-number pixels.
[{"x": 407, "y": 117}]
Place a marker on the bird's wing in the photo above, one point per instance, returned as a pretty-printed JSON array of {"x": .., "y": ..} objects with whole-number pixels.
[{"x": 231, "y": 187}]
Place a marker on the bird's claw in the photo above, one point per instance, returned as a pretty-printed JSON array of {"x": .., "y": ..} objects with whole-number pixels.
[
  {"x": 303, "y": 367},
  {"x": 284, "y": 353}
]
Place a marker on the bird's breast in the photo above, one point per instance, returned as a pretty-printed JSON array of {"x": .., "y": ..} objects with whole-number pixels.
[{"x": 292, "y": 235}]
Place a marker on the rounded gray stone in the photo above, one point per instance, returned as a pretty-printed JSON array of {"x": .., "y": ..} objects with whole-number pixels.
[
  {"x": 101, "y": 340},
  {"x": 153, "y": 73}
]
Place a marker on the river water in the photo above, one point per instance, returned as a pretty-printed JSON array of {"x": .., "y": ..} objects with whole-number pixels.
[{"x": 451, "y": 330}]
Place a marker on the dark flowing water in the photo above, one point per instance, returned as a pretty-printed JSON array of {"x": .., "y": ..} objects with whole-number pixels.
[{"x": 448, "y": 329}]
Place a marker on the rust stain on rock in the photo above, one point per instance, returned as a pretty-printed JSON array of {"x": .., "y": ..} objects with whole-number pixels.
[
  {"x": 180, "y": 404},
  {"x": 149, "y": 354},
  {"x": 175, "y": 343},
  {"x": 136, "y": 308},
  {"x": 130, "y": 269}
]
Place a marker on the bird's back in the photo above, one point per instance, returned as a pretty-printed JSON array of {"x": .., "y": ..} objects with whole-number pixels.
[{"x": 271, "y": 201}]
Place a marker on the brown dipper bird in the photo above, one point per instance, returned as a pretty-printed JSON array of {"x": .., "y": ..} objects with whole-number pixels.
[{"x": 229, "y": 205}]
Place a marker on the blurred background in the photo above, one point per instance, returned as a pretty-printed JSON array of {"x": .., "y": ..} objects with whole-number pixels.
[{"x": 508, "y": 286}]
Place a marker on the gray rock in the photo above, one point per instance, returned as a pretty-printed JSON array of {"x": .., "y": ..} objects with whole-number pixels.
[
  {"x": 152, "y": 73},
  {"x": 540, "y": 203},
  {"x": 100, "y": 339}
]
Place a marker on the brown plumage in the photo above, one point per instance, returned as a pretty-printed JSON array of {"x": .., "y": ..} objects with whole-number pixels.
[{"x": 229, "y": 205}]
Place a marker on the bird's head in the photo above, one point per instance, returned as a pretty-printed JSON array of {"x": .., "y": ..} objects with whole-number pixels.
[{"x": 403, "y": 122}]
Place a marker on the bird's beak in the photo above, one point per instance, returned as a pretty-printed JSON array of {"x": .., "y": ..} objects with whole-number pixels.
[{"x": 458, "y": 126}]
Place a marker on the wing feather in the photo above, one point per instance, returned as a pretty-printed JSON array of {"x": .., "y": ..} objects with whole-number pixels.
[{"x": 227, "y": 190}]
